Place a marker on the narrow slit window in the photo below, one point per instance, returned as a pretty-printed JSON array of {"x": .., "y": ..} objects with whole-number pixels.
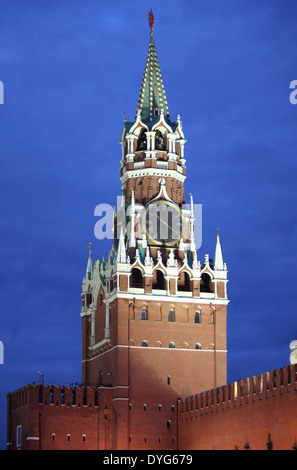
[
  {"x": 19, "y": 435},
  {"x": 171, "y": 315},
  {"x": 197, "y": 317},
  {"x": 144, "y": 314}
]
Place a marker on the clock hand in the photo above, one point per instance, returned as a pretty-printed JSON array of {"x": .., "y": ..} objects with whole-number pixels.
[{"x": 173, "y": 230}]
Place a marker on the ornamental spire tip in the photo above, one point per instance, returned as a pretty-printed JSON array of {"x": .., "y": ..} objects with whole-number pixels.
[{"x": 151, "y": 21}]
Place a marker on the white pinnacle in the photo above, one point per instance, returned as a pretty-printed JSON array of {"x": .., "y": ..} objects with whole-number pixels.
[{"x": 218, "y": 261}]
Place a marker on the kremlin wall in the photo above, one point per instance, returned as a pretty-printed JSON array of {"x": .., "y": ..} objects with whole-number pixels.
[
  {"x": 250, "y": 414},
  {"x": 254, "y": 414}
]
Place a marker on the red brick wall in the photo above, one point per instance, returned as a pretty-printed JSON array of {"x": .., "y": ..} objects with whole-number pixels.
[
  {"x": 50, "y": 424},
  {"x": 245, "y": 412},
  {"x": 140, "y": 374},
  {"x": 147, "y": 187}
]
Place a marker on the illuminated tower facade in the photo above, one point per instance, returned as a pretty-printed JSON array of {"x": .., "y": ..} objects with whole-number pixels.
[{"x": 153, "y": 316}]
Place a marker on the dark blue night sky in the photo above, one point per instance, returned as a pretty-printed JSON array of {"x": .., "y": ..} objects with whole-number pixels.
[{"x": 70, "y": 70}]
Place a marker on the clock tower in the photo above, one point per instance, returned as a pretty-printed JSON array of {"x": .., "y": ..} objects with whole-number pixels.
[{"x": 153, "y": 316}]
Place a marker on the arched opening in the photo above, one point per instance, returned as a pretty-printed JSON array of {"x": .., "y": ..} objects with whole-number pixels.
[
  {"x": 159, "y": 141},
  {"x": 159, "y": 280},
  {"x": 205, "y": 284},
  {"x": 136, "y": 278},
  {"x": 141, "y": 143},
  {"x": 184, "y": 282}
]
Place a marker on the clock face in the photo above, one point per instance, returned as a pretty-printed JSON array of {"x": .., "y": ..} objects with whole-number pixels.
[{"x": 162, "y": 222}]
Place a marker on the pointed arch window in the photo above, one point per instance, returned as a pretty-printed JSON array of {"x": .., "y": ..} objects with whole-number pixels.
[
  {"x": 144, "y": 344},
  {"x": 171, "y": 344}
]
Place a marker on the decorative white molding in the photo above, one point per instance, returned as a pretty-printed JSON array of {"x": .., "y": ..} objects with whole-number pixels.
[
  {"x": 101, "y": 343},
  {"x": 153, "y": 172},
  {"x": 159, "y": 348},
  {"x": 170, "y": 298}
]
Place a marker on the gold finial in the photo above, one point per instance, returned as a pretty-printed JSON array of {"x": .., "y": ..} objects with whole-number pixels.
[
  {"x": 151, "y": 20},
  {"x": 89, "y": 246}
]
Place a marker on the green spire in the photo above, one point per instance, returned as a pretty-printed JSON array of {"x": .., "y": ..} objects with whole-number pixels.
[{"x": 152, "y": 98}]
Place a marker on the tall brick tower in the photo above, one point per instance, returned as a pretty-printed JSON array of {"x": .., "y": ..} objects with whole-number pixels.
[{"x": 153, "y": 317}]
